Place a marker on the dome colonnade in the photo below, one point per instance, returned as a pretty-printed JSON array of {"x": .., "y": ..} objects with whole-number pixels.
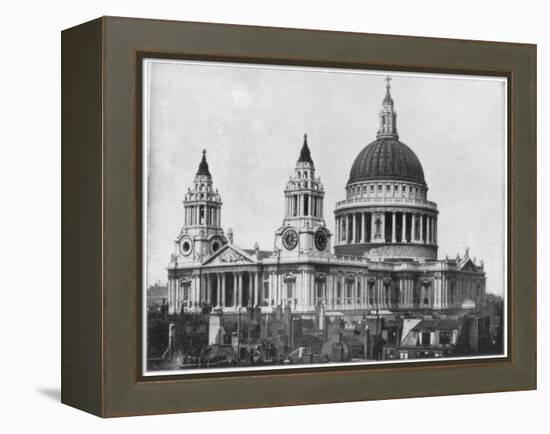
[{"x": 386, "y": 212}]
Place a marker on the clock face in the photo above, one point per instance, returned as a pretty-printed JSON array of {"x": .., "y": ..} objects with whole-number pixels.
[
  {"x": 321, "y": 240},
  {"x": 290, "y": 239}
]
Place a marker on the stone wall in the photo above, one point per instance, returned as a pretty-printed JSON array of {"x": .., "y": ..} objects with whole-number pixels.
[{"x": 388, "y": 250}]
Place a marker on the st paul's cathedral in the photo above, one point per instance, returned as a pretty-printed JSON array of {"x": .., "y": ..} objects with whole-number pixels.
[{"x": 381, "y": 256}]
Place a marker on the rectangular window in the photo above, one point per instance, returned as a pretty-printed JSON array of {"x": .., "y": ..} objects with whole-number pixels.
[
  {"x": 444, "y": 338},
  {"x": 425, "y": 338},
  {"x": 289, "y": 290}
]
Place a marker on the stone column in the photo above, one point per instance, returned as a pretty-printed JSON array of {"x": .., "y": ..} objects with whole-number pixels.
[
  {"x": 413, "y": 227},
  {"x": 270, "y": 288},
  {"x": 428, "y": 230},
  {"x": 393, "y": 217},
  {"x": 240, "y": 293},
  {"x": 207, "y": 284},
  {"x": 235, "y": 288},
  {"x": 372, "y": 226},
  {"x": 383, "y": 227},
  {"x": 404, "y": 227},
  {"x": 256, "y": 289},
  {"x": 286, "y": 206},
  {"x": 222, "y": 299},
  {"x": 274, "y": 290},
  {"x": 365, "y": 286},
  {"x": 306, "y": 282},
  {"x": 422, "y": 240},
  {"x": 218, "y": 289},
  {"x": 352, "y": 228},
  {"x": 363, "y": 236},
  {"x": 355, "y": 280},
  {"x": 174, "y": 297},
  {"x": 344, "y": 292}
]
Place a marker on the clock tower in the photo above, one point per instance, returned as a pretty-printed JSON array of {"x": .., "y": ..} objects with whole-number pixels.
[
  {"x": 201, "y": 235},
  {"x": 304, "y": 231}
]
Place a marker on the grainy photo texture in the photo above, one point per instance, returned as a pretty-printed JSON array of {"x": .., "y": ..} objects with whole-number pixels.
[{"x": 291, "y": 218}]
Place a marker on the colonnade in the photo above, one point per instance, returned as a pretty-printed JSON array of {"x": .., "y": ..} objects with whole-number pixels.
[
  {"x": 306, "y": 289},
  {"x": 202, "y": 215},
  {"x": 304, "y": 204},
  {"x": 231, "y": 288},
  {"x": 386, "y": 227}
]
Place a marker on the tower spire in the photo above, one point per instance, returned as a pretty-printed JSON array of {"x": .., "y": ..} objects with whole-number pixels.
[
  {"x": 203, "y": 166},
  {"x": 388, "y": 116},
  {"x": 305, "y": 154}
]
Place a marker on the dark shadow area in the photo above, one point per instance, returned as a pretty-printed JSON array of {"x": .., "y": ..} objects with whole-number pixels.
[{"x": 53, "y": 393}]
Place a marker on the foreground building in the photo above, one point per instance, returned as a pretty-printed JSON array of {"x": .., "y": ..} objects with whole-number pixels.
[{"x": 384, "y": 259}]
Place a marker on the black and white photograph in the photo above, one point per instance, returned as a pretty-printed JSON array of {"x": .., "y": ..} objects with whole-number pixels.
[{"x": 304, "y": 216}]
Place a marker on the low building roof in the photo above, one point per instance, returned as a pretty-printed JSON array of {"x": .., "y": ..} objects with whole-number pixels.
[{"x": 446, "y": 324}]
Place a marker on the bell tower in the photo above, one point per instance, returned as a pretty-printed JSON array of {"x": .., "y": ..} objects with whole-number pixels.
[
  {"x": 304, "y": 230},
  {"x": 201, "y": 234}
]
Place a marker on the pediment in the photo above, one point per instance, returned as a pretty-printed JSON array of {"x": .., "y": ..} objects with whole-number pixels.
[
  {"x": 229, "y": 254},
  {"x": 468, "y": 265}
]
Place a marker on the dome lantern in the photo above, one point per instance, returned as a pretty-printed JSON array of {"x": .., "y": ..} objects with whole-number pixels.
[{"x": 388, "y": 116}]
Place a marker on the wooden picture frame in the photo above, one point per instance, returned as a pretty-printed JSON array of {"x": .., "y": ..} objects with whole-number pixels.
[{"x": 101, "y": 216}]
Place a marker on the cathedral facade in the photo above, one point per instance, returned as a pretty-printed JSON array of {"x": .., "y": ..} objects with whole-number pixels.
[{"x": 381, "y": 255}]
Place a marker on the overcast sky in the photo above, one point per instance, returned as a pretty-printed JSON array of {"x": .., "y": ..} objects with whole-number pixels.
[{"x": 251, "y": 121}]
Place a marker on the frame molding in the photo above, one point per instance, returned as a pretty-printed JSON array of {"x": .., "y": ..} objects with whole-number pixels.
[{"x": 101, "y": 211}]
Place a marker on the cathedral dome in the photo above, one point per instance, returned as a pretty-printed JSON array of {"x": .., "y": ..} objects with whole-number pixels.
[{"x": 387, "y": 158}]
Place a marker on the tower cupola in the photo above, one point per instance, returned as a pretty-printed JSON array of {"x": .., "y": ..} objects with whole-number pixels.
[
  {"x": 304, "y": 230},
  {"x": 202, "y": 234}
]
